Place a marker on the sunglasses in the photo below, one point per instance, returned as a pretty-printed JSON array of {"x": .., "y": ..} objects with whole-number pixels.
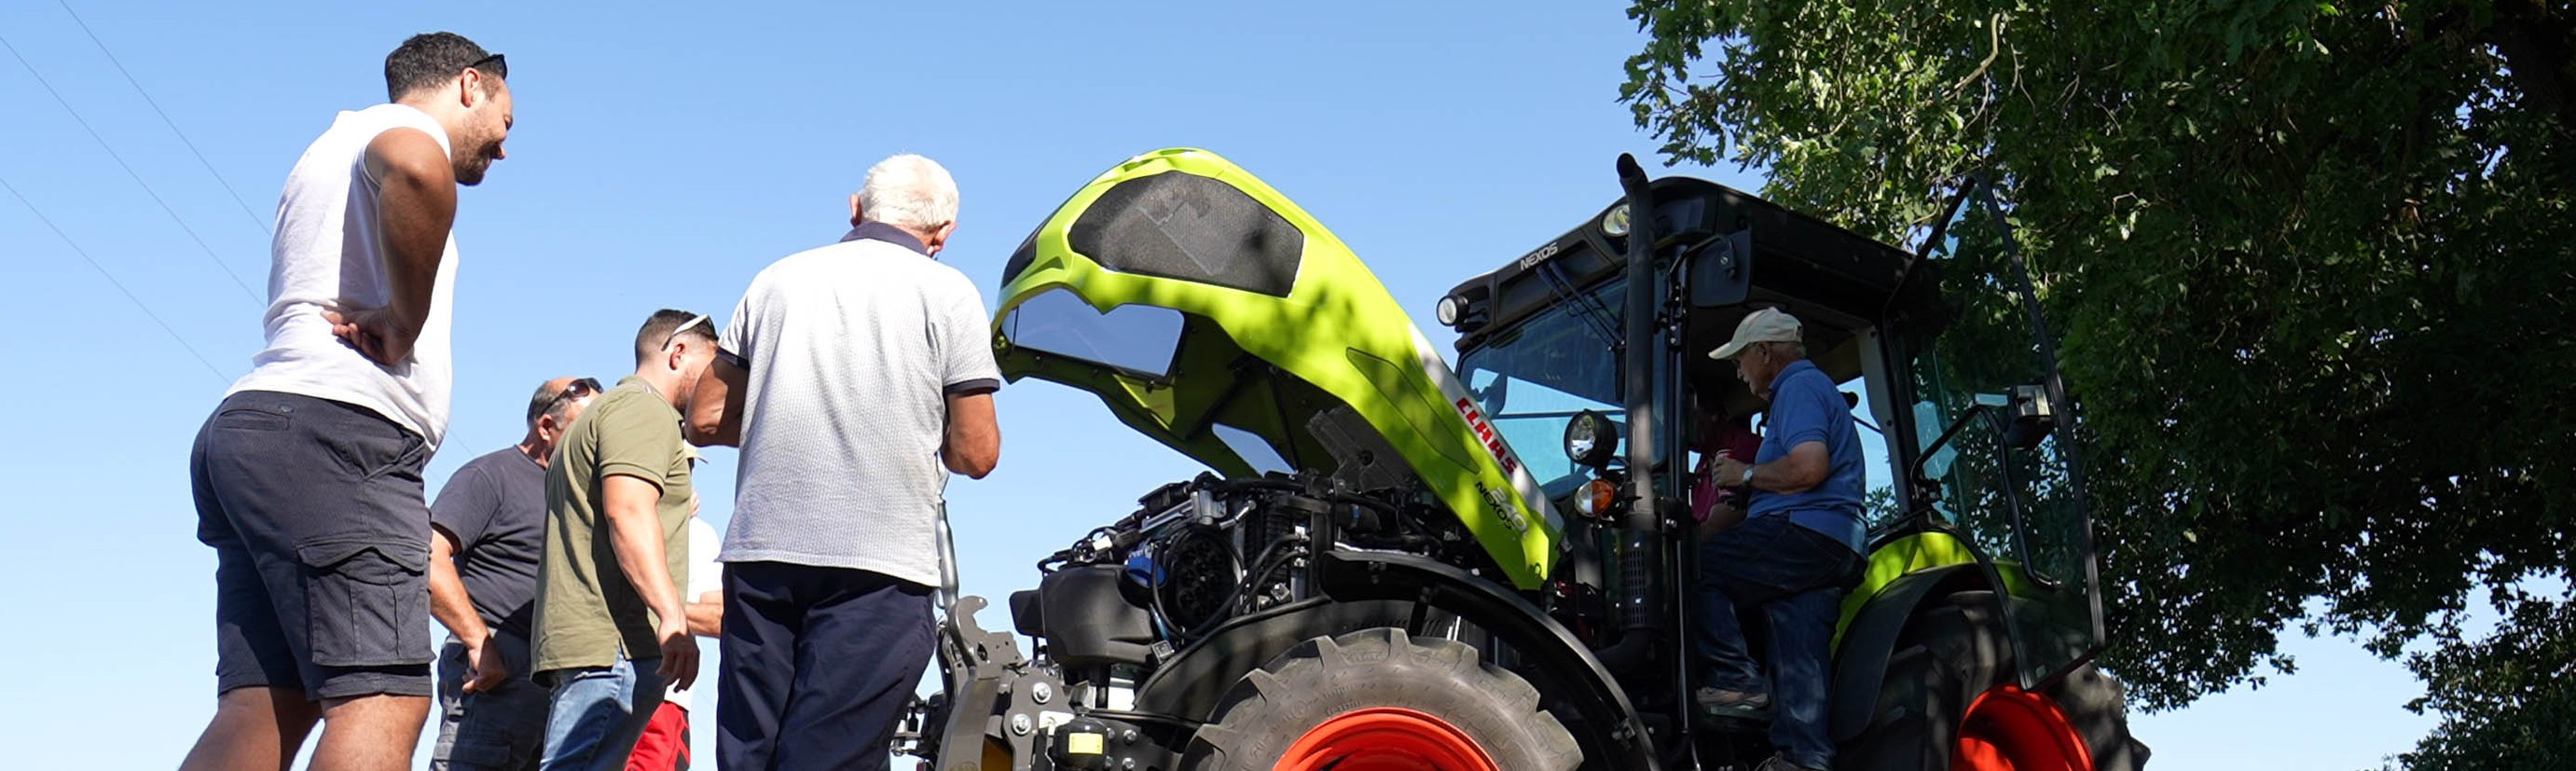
[
  {"x": 497, "y": 65},
  {"x": 693, "y": 323},
  {"x": 577, "y": 389}
]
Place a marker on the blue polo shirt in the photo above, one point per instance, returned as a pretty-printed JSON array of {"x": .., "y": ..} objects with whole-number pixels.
[{"x": 1805, "y": 407}]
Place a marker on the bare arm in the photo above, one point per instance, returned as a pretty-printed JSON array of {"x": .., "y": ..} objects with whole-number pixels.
[
  {"x": 1801, "y": 470},
  {"x": 973, "y": 443},
  {"x": 448, "y": 601},
  {"x": 715, "y": 412},
  {"x": 454, "y": 608},
  {"x": 706, "y": 615},
  {"x": 635, "y": 535},
  {"x": 415, "y": 208}
]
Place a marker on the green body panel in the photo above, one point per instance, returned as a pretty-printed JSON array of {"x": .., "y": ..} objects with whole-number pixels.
[
  {"x": 1911, "y": 554},
  {"x": 1895, "y": 559},
  {"x": 1274, "y": 366}
]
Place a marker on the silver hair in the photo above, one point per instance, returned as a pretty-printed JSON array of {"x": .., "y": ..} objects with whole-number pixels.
[
  {"x": 910, "y": 192},
  {"x": 1796, "y": 350}
]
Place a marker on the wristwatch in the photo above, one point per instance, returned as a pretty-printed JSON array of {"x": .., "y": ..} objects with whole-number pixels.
[{"x": 1747, "y": 481}]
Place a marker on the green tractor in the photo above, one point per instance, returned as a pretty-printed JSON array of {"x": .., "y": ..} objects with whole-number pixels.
[{"x": 1374, "y": 575}]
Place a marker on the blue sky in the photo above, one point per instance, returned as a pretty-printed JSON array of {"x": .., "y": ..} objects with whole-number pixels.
[{"x": 665, "y": 153}]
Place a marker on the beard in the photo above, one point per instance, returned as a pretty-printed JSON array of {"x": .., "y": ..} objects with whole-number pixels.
[{"x": 470, "y": 169}]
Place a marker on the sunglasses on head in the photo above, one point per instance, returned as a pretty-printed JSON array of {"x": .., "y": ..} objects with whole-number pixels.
[
  {"x": 577, "y": 389},
  {"x": 693, "y": 322},
  {"x": 496, "y": 64}
]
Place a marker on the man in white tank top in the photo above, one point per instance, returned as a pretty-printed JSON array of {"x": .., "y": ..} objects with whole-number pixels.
[{"x": 307, "y": 478}]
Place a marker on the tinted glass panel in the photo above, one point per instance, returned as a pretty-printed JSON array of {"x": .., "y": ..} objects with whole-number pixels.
[{"x": 1137, "y": 339}]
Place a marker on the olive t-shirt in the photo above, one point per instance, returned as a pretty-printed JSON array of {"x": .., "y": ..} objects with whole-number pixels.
[{"x": 588, "y": 613}]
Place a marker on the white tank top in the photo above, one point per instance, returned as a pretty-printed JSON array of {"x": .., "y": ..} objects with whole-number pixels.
[{"x": 328, "y": 249}]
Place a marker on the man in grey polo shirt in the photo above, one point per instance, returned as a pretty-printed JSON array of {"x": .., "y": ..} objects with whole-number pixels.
[{"x": 855, "y": 377}]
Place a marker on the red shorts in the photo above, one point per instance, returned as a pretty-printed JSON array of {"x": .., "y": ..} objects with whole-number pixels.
[{"x": 665, "y": 743}]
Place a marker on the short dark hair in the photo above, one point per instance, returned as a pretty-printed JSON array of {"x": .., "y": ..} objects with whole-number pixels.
[
  {"x": 428, "y": 59},
  {"x": 664, "y": 325}
]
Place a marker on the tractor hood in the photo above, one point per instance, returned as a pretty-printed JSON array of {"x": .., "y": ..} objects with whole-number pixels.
[{"x": 1210, "y": 313}]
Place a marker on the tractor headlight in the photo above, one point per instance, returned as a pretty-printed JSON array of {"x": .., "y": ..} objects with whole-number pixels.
[{"x": 1591, "y": 439}]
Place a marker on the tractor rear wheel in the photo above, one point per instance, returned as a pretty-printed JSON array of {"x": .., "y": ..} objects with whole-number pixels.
[
  {"x": 1379, "y": 699},
  {"x": 1949, "y": 702}
]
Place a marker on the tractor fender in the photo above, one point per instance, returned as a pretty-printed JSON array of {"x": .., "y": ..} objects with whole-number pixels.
[{"x": 1860, "y": 661}]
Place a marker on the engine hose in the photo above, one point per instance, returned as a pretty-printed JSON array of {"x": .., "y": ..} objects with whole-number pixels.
[{"x": 1261, "y": 566}]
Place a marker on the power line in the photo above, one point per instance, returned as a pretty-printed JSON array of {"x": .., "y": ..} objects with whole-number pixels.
[
  {"x": 129, "y": 171},
  {"x": 111, "y": 280},
  {"x": 165, "y": 119}
]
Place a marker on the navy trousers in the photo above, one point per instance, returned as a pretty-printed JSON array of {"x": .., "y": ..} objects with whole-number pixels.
[{"x": 818, "y": 665}]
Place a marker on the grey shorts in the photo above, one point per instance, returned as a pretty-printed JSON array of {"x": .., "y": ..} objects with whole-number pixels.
[{"x": 321, "y": 537}]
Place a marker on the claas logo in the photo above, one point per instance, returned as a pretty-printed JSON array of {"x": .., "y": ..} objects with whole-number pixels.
[{"x": 1485, "y": 433}]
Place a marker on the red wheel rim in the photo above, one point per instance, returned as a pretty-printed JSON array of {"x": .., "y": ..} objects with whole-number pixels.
[
  {"x": 2010, "y": 729},
  {"x": 1385, "y": 739}
]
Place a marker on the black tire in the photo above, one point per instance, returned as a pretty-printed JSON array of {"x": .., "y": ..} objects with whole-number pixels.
[
  {"x": 1953, "y": 651},
  {"x": 1322, "y": 678}
]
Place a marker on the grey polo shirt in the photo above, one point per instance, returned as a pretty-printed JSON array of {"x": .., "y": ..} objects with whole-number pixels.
[{"x": 852, "y": 350}]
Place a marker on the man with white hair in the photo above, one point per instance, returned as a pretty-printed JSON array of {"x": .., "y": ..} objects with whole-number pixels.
[
  {"x": 1798, "y": 546},
  {"x": 854, "y": 377}
]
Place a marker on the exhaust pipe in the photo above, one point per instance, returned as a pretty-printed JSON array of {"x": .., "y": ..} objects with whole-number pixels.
[{"x": 1640, "y": 537}]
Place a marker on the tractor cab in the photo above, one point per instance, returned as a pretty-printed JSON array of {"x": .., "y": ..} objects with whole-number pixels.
[{"x": 1941, "y": 352}]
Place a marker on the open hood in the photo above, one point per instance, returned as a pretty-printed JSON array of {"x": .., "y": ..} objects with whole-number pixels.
[{"x": 1215, "y": 316}]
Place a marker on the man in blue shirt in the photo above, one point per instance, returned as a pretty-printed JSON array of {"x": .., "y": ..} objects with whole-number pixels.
[{"x": 1799, "y": 544}]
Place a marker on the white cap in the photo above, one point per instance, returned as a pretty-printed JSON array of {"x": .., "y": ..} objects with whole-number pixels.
[{"x": 1767, "y": 325}]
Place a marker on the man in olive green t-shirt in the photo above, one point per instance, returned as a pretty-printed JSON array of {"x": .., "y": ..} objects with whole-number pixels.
[{"x": 611, "y": 631}]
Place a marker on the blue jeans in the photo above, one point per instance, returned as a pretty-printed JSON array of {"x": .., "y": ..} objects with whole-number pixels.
[
  {"x": 1795, "y": 576},
  {"x": 597, "y": 714}
]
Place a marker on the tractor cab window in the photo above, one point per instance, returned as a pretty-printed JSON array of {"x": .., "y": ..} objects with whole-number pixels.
[
  {"x": 1991, "y": 438},
  {"x": 1532, "y": 378}
]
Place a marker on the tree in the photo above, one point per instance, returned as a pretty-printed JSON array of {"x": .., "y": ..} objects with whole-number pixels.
[{"x": 2313, "y": 270}]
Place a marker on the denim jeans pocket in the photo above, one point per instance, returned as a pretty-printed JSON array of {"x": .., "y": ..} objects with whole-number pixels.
[{"x": 365, "y": 601}]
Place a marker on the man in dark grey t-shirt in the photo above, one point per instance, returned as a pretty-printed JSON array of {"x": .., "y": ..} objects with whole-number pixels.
[{"x": 489, "y": 525}]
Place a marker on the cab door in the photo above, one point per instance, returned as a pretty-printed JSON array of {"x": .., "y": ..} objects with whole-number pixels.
[{"x": 1994, "y": 438}]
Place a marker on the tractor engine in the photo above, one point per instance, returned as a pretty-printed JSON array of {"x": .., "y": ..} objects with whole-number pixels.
[{"x": 1195, "y": 555}]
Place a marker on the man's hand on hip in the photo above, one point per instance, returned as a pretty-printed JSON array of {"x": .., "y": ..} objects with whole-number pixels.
[
  {"x": 484, "y": 669},
  {"x": 377, "y": 333}
]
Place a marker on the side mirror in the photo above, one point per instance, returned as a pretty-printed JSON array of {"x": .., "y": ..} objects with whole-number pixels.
[
  {"x": 1721, "y": 270},
  {"x": 2033, "y": 416},
  {"x": 1591, "y": 440}
]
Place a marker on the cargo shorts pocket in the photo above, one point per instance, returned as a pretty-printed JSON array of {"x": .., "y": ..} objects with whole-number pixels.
[{"x": 366, "y": 602}]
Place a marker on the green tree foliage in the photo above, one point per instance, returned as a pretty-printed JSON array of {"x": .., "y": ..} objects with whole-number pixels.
[{"x": 2313, "y": 265}]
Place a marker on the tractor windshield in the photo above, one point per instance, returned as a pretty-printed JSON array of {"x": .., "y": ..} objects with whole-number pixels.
[{"x": 1534, "y": 376}]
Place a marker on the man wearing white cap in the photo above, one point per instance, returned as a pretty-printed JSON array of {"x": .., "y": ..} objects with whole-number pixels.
[{"x": 1798, "y": 545}]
